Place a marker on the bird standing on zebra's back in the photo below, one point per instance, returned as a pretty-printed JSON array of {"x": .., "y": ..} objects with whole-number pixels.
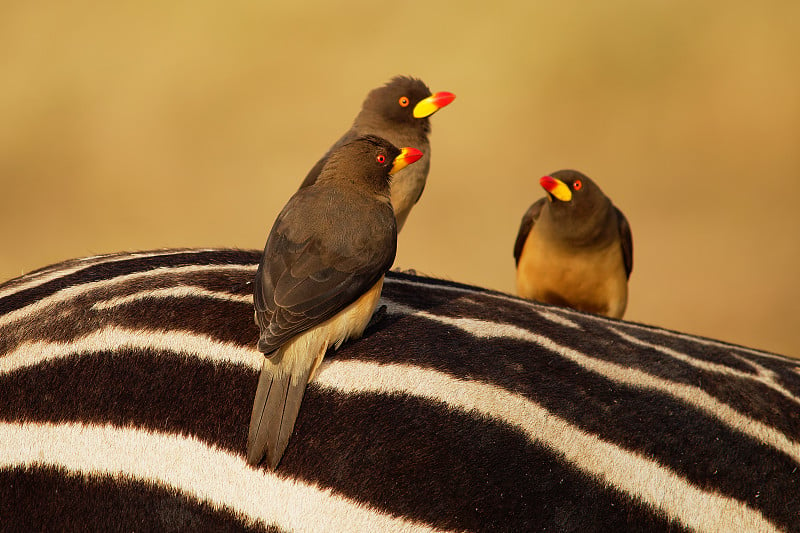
[
  {"x": 320, "y": 279},
  {"x": 574, "y": 247},
  {"x": 398, "y": 112}
]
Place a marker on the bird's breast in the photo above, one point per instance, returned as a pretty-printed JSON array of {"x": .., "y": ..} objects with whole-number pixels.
[
  {"x": 590, "y": 280},
  {"x": 408, "y": 184}
]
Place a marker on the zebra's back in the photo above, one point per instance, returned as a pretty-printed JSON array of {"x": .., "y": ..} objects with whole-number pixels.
[{"x": 127, "y": 382}]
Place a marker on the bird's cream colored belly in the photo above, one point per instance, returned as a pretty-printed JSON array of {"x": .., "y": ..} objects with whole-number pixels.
[
  {"x": 309, "y": 347},
  {"x": 405, "y": 191},
  {"x": 591, "y": 280}
]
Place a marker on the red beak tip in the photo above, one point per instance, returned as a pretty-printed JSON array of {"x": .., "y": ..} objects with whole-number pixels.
[
  {"x": 547, "y": 182},
  {"x": 444, "y": 98},
  {"x": 413, "y": 155}
]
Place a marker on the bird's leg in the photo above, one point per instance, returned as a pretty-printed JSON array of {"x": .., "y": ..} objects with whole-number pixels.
[{"x": 377, "y": 316}]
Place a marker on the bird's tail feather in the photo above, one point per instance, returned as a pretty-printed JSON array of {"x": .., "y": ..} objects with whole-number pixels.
[{"x": 275, "y": 409}]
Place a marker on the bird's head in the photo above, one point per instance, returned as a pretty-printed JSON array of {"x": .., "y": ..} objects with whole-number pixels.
[
  {"x": 575, "y": 202},
  {"x": 570, "y": 187},
  {"x": 368, "y": 159},
  {"x": 406, "y": 101}
]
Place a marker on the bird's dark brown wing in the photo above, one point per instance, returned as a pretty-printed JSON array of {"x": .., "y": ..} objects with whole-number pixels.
[
  {"x": 626, "y": 240},
  {"x": 313, "y": 174},
  {"x": 528, "y": 220},
  {"x": 327, "y": 248}
]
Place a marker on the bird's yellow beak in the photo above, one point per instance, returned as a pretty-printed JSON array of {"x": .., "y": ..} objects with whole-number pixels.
[
  {"x": 407, "y": 156},
  {"x": 557, "y": 188},
  {"x": 432, "y": 104}
]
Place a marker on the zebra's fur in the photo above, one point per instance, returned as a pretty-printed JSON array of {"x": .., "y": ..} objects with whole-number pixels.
[{"x": 127, "y": 381}]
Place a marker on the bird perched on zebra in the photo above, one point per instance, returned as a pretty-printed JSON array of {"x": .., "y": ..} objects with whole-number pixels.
[
  {"x": 398, "y": 112},
  {"x": 320, "y": 279},
  {"x": 574, "y": 247}
]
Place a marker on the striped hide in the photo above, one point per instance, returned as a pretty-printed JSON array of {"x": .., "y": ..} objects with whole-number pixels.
[{"x": 127, "y": 380}]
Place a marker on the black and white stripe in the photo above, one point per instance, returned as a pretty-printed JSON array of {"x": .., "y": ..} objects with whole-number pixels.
[{"x": 126, "y": 383}]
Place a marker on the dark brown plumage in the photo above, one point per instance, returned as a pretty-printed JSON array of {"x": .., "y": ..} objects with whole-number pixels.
[
  {"x": 398, "y": 112},
  {"x": 574, "y": 247},
  {"x": 320, "y": 279}
]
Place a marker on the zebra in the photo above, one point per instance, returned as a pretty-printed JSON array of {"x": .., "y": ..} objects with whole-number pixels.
[{"x": 126, "y": 382}]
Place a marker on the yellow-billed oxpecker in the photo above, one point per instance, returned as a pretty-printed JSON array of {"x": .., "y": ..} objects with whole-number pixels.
[
  {"x": 320, "y": 279},
  {"x": 574, "y": 247},
  {"x": 399, "y": 112}
]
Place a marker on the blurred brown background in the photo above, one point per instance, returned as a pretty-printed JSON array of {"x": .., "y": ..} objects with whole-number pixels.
[{"x": 139, "y": 125}]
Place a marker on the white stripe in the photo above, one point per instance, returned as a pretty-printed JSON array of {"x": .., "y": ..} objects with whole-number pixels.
[
  {"x": 676, "y": 335},
  {"x": 80, "y": 289},
  {"x": 556, "y": 318},
  {"x": 641, "y": 478},
  {"x": 540, "y": 310},
  {"x": 710, "y": 342},
  {"x": 185, "y": 343},
  {"x": 181, "y": 291},
  {"x": 32, "y": 353},
  {"x": 763, "y": 375},
  {"x": 114, "y": 339},
  {"x": 202, "y": 472},
  {"x": 40, "y": 278},
  {"x": 688, "y": 394},
  {"x": 452, "y": 391}
]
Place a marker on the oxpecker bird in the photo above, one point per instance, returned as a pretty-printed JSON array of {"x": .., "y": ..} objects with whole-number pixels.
[
  {"x": 574, "y": 247},
  {"x": 320, "y": 279},
  {"x": 399, "y": 112}
]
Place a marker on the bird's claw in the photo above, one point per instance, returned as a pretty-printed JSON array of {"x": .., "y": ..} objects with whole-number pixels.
[{"x": 377, "y": 316}]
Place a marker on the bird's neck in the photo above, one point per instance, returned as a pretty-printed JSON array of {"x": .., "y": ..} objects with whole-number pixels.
[
  {"x": 393, "y": 131},
  {"x": 595, "y": 230}
]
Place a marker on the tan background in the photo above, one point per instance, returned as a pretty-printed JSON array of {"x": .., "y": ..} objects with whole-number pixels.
[{"x": 138, "y": 125}]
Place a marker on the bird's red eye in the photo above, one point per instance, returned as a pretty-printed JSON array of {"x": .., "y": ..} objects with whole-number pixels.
[
  {"x": 381, "y": 159},
  {"x": 403, "y": 101},
  {"x": 577, "y": 185}
]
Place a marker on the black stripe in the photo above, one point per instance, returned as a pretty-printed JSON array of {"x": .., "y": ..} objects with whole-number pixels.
[
  {"x": 726, "y": 356},
  {"x": 222, "y": 321},
  {"x": 755, "y": 399},
  {"x": 161, "y": 392},
  {"x": 226, "y": 321},
  {"x": 432, "y": 283},
  {"x": 49, "y": 499},
  {"x": 747, "y": 396},
  {"x": 402, "y": 455},
  {"x": 449, "y": 469},
  {"x": 166, "y": 392},
  {"x": 730, "y": 355},
  {"x": 690, "y": 442},
  {"x": 102, "y": 271}
]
